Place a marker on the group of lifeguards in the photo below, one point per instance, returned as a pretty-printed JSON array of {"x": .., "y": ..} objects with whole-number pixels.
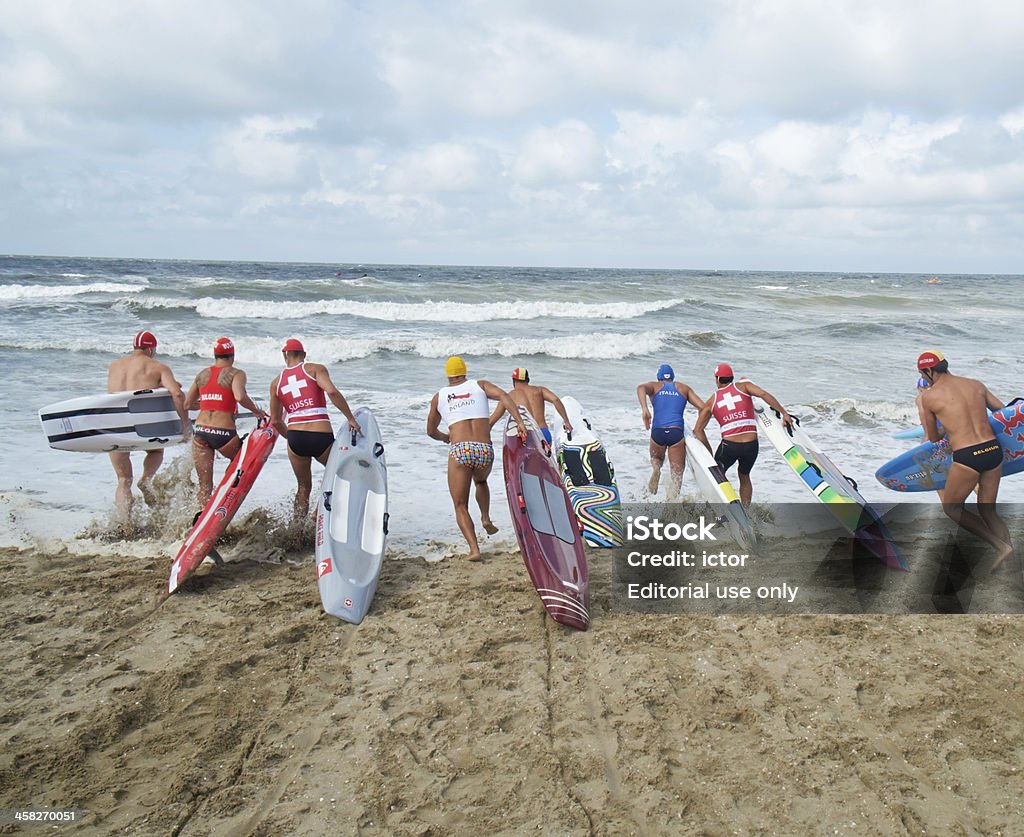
[{"x": 298, "y": 409}]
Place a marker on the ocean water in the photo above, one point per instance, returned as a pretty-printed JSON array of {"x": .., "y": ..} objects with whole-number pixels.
[{"x": 838, "y": 350}]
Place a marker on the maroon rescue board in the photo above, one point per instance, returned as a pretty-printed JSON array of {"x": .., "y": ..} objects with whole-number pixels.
[
  {"x": 546, "y": 528},
  {"x": 224, "y": 502}
]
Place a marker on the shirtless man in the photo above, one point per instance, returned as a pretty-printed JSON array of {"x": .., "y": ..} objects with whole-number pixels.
[
  {"x": 132, "y": 372},
  {"x": 533, "y": 397},
  {"x": 960, "y": 405},
  {"x": 922, "y": 385},
  {"x": 732, "y": 406},
  {"x": 668, "y": 400},
  {"x": 215, "y": 393},
  {"x": 462, "y": 405},
  {"x": 298, "y": 409}
]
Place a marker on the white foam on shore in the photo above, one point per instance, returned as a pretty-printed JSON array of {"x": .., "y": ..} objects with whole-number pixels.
[{"x": 267, "y": 351}]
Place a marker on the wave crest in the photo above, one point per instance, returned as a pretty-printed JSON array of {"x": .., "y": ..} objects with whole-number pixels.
[
  {"x": 428, "y": 311},
  {"x": 30, "y": 292}
]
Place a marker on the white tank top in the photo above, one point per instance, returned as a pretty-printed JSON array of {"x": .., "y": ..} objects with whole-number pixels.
[{"x": 462, "y": 401}]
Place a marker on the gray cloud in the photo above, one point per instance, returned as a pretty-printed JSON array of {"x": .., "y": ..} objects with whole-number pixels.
[{"x": 733, "y": 134}]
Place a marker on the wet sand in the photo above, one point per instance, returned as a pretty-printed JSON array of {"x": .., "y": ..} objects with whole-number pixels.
[{"x": 237, "y": 707}]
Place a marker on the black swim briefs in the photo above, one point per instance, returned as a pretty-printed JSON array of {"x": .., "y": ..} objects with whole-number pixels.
[
  {"x": 984, "y": 456},
  {"x": 310, "y": 443},
  {"x": 213, "y": 437}
]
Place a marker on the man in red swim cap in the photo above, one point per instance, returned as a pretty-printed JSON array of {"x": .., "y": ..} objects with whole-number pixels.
[
  {"x": 139, "y": 370},
  {"x": 961, "y": 405}
]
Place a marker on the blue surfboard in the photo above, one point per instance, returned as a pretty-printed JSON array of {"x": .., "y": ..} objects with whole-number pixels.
[{"x": 925, "y": 467}]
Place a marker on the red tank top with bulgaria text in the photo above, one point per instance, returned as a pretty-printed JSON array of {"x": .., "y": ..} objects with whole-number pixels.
[
  {"x": 212, "y": 396},
  {"x": 301, "y": 396},
  {"x": 734, "y": 411}
]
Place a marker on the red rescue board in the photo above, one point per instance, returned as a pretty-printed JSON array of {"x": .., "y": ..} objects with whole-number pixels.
[{"x": 224, "y": 502}]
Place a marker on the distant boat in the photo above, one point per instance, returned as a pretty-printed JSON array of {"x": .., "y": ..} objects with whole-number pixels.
[{"x": 935, "y": 280}]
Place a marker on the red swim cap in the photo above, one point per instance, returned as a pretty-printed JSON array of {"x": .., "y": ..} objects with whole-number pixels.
[
  {"x": 723, "y": 370},
  {"x": 145, "y": 340},
  {"x": 293, "y": 345},
  {"x": 223, "y": 346},
  {"x": 520, "y": 374},
  {"x": 929, "y": 360}
]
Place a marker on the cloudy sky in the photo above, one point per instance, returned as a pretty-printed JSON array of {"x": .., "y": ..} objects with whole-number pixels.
[{"x": 778, "y": 134}]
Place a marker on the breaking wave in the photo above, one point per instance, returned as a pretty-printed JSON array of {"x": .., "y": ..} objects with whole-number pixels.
[
  {"x": 429, "y": 311},
  {"x": 10, "y": 293},
  {"x": 267, "y": 351}
]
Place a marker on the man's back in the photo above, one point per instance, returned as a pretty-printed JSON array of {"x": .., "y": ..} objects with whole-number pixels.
[
  {"x": 960, "y": 404},
  {"x": 134, "y": 371},
  {"x": 531, "y": 397}
]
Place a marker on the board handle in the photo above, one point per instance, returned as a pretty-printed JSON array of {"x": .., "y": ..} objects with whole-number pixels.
[
  {"x": 327, "y": 500},
  {"x": 789, "y": 429},
  {"x": 378, "y": 449}
]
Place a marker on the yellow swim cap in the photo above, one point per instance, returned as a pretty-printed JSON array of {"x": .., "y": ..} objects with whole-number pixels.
[{"x": 455, "y": 367}]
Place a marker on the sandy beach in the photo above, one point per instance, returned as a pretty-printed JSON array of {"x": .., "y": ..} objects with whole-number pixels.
[{"x": 237, "y": 707}]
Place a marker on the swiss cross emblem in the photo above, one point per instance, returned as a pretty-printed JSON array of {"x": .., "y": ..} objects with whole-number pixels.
[
  {"x": 729, "y": 401},
  {"x": 295, "y": 386}
]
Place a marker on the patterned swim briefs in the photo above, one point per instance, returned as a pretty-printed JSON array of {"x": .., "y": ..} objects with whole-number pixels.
[{"x": 472, "y": 454}]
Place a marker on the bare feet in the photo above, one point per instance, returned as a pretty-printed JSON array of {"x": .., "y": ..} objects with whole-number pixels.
[
  {"x": 473, "y": 556},
  {"x": 147, "y": 492},
  {"x": 652, "y": 483},
  {"x": 489, "y": 527},
  {"x": 1002, "y": 556}
]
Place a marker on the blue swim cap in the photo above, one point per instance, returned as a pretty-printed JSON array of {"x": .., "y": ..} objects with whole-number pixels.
[
  {"x": 922, "y": 383},
  {"x": 665, "y": 373}
]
